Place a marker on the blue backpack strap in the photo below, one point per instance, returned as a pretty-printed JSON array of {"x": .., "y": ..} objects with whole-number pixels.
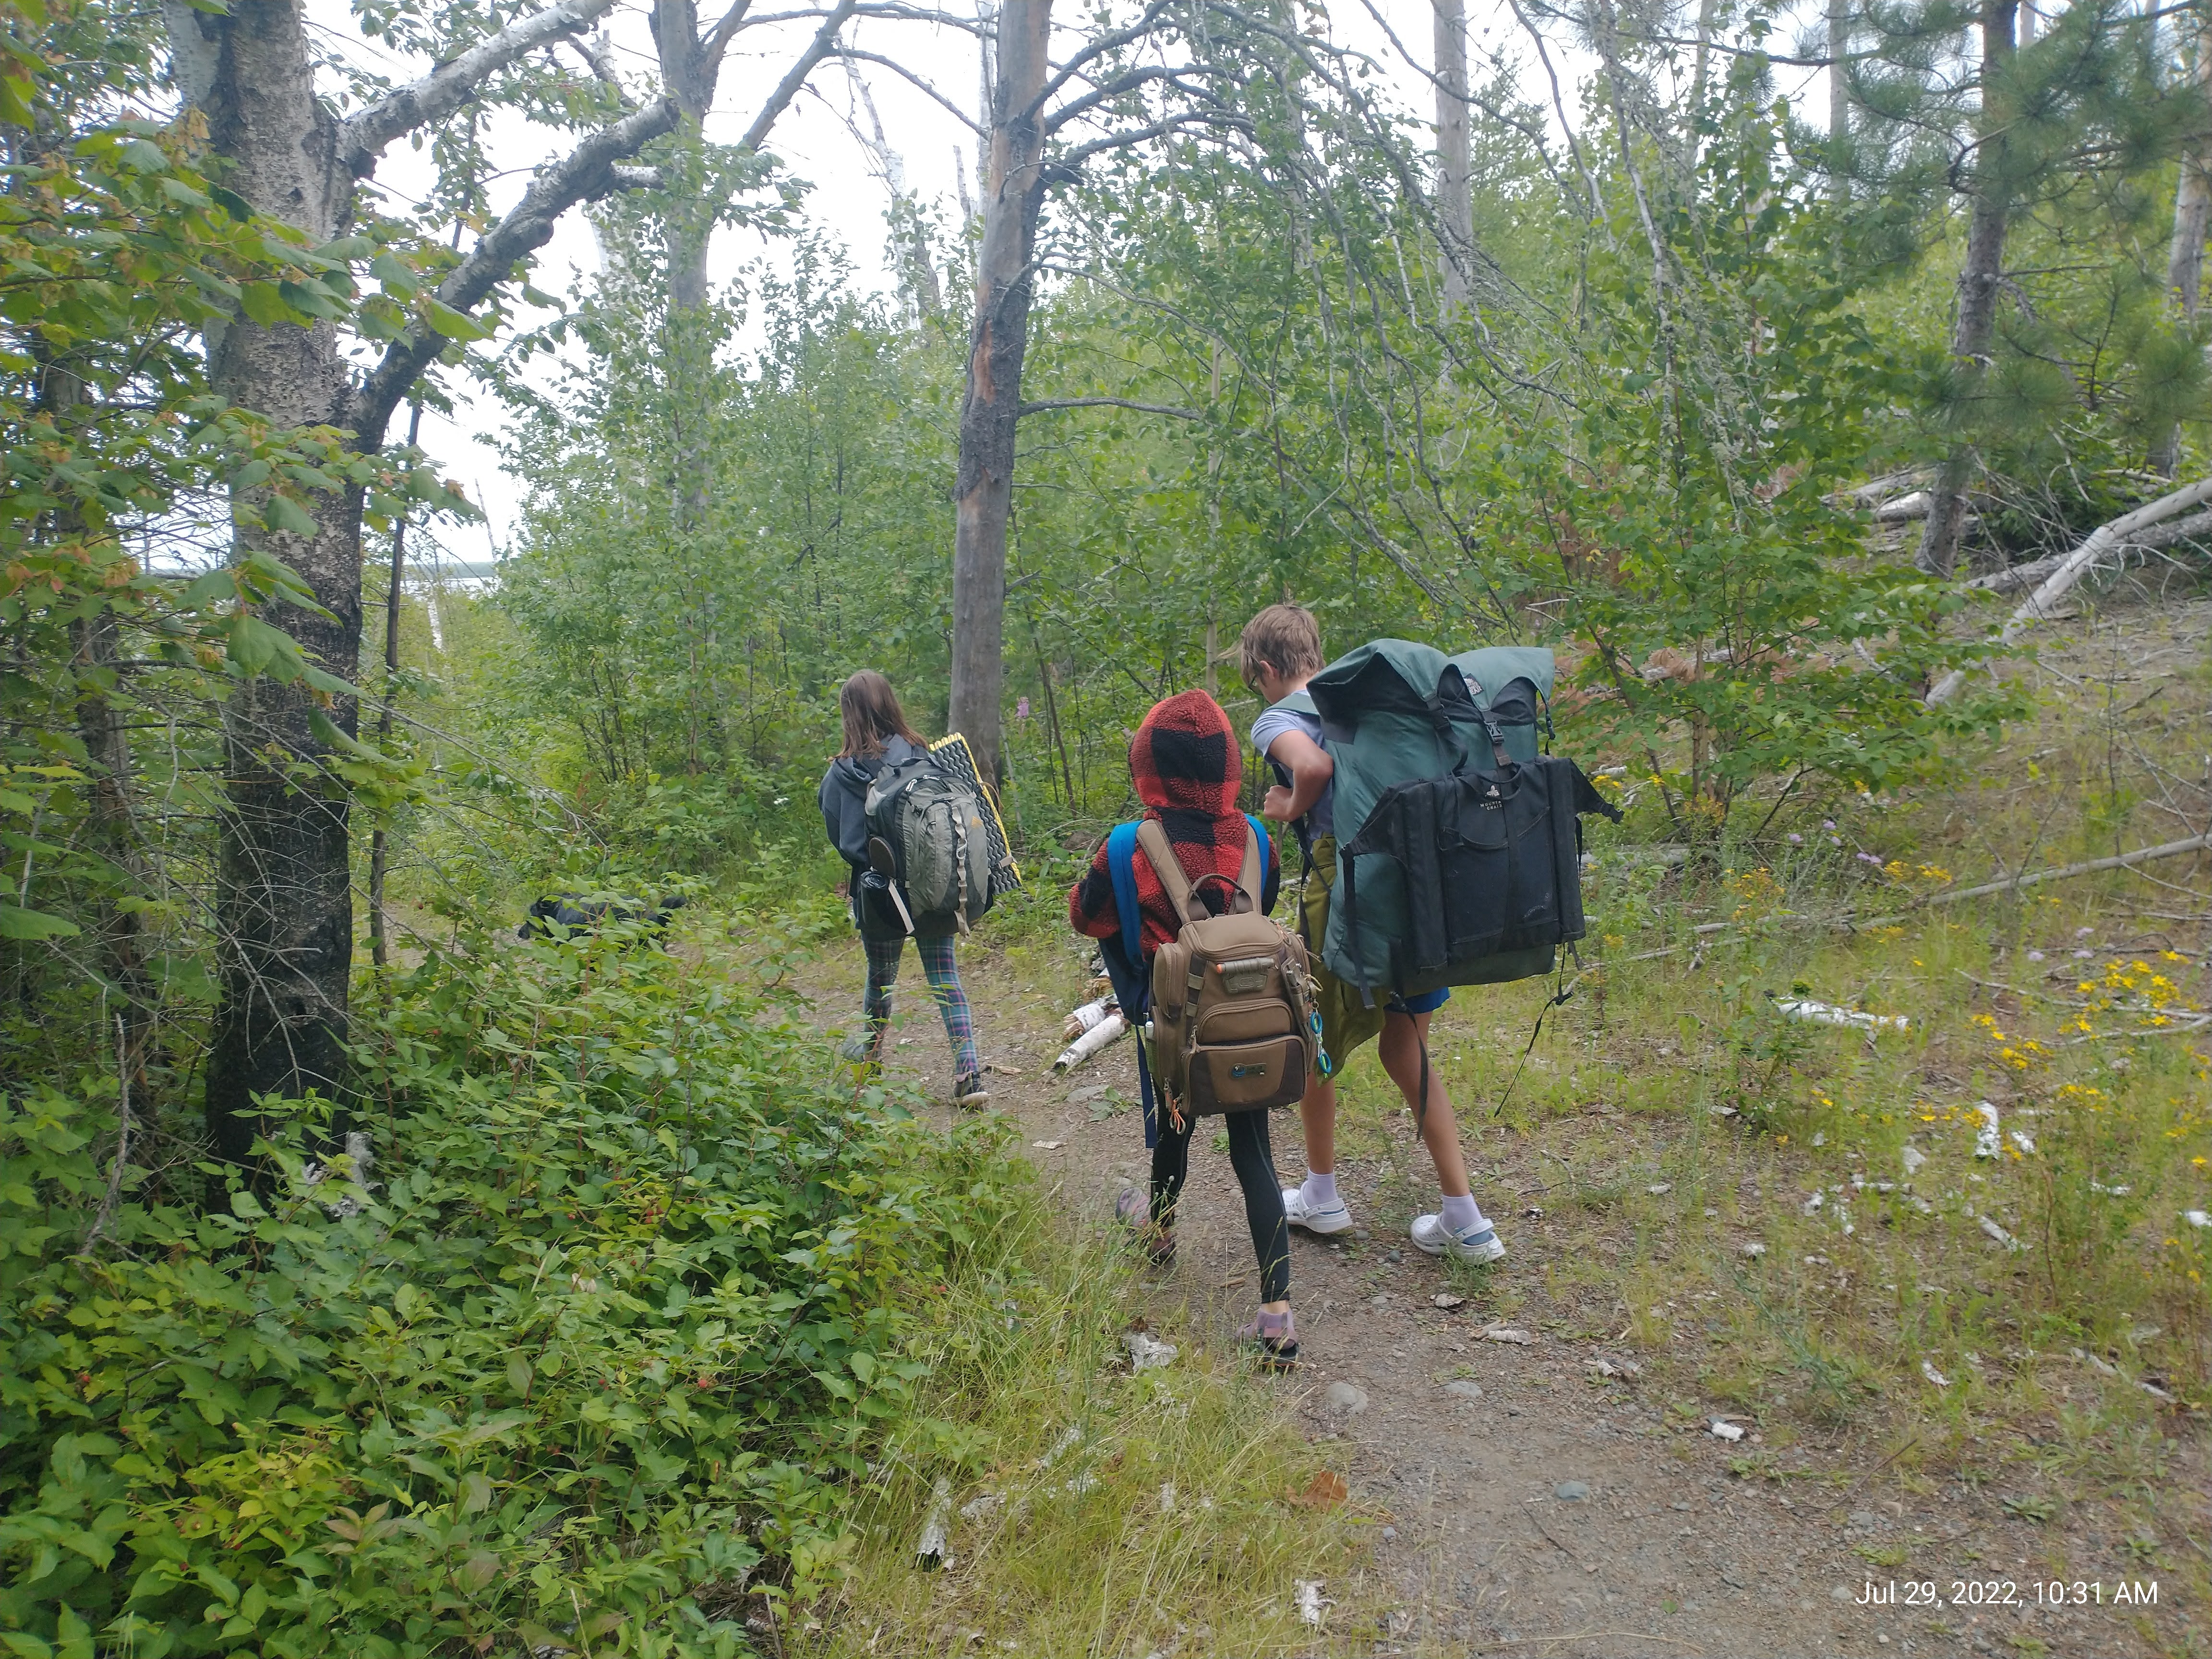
[
  {"x": 1267, "y": 843},
  {"x": 1121, "y": 865},
  {"x": 1125, "y": 960}
]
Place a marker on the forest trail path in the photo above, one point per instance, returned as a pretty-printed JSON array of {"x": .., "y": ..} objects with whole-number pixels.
[{"x": 1491, "y": 1547}]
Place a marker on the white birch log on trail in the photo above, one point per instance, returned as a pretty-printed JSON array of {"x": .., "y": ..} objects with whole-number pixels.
[
  {"x": 2078, "y": 564},
  {"x": 1100, "y": 1037}
]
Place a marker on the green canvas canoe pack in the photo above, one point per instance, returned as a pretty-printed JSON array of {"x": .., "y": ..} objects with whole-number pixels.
[{"x": 1458, "y": 841}]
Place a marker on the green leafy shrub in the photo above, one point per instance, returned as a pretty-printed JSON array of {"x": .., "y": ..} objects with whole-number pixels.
[{"x": 587, "y": 1358}]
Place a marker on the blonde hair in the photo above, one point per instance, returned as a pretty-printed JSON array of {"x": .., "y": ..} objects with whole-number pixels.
[{"x": 1284, "y": 638}]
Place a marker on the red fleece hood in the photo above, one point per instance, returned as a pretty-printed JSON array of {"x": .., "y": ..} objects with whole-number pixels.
[{"x": 1184, "y": 756}]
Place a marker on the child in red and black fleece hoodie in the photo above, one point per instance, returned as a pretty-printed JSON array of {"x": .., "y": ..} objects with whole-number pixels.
[{"x": 1187, "y": 766}]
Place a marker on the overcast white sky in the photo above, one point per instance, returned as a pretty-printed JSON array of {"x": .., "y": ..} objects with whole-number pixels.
[{"x": 848, "y": 199}]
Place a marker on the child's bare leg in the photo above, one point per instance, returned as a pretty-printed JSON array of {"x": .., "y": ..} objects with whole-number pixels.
[
  {"x": 1317, "y": 1111},
  {"x": 1403, "y": 1036}
]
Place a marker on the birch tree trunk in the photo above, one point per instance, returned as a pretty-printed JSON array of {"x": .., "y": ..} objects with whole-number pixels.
[
  {"x": 1979, "y": 277},
  {"x": 1455, "y": 168},
  {"x": 2192, "y": 209},
  {"x": 283, "y": 897},
  {"x": 1014, "y": 191}
]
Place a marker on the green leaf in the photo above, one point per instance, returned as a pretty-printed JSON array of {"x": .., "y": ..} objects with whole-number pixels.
[
  {"x": 17, "y": 922},
  {"x": 254, "y": 645},
  {"x": 264, "y": 303},
  {"x": 453, "y": 324},
  {"x": 395, "y": 273},
  {"x": 282, "y": 513}
]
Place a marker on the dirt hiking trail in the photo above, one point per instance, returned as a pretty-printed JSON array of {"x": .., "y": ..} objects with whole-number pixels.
[{"x": 1559, "y": 1494}]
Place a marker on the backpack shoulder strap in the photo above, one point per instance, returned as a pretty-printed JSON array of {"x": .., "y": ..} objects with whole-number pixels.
[
  {"x": 1154, "y": 841},
  {"x": 1121, "y": 867},
  {"x": 1252, "y": 878}
]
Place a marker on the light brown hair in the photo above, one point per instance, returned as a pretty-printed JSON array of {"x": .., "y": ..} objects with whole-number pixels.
[
  {"x": 872, "y": 716},
  {"x": 1285, "y": 638}
]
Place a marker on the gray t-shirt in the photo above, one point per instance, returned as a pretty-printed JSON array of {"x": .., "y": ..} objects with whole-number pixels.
[{"x": 1322, "y": 819}]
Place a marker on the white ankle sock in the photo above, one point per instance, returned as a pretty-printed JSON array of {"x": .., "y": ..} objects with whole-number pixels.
[
  {"x": 1462, "y": 1213},
  {"x": 1319, "y": 1190}
]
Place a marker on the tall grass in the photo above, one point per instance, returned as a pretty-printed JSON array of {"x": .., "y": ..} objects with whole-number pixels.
[{"x": 1092, "y": 1510}]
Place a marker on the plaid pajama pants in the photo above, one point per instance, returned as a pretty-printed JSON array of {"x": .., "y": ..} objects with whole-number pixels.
[{"x": 944, "y": 976}]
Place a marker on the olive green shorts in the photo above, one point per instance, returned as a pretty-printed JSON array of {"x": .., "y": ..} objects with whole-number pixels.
[{"x": 1345, "y": 1021}]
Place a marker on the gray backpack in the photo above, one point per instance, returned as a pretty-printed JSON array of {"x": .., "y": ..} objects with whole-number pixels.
[{"x": 933, "y": 825}]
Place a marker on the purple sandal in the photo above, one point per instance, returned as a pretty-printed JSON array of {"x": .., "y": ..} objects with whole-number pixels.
[
  {"x": 1133, "y": 1210},
  {"x": 1273, "y": 1338}
]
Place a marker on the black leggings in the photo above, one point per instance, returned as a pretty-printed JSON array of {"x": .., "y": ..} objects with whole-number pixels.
[{"x": 1254, "y": 1164}]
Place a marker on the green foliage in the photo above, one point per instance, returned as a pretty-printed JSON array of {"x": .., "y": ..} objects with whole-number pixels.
[{"x": 597, "y": 1348}]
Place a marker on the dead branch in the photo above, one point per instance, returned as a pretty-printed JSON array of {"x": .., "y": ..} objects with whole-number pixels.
[
  {"x": 2196, "y": 526},
  {"x": 1043, "y": 405},
  {"x": 2087, "y": 867},
  {"x": 2077, "y": 564}
]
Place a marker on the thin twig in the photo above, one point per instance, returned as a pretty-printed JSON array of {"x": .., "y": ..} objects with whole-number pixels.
[{"x": 106, "y": 1209}]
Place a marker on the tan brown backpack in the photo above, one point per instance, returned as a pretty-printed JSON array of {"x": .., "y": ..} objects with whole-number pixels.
[{"x": 1234, "y": 1028}]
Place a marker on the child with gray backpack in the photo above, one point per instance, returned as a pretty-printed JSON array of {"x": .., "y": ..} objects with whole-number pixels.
[{"x": 880, "y": 748}]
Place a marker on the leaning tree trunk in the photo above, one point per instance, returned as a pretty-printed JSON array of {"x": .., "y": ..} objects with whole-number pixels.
[
  {"x": 1454, "y": 167},
  {"x": 283, "y": 897},
  {"x": 2192, "y": 209},
  {"x": 1005, "y": 285},
  {"x": 1978, "y": 281}
]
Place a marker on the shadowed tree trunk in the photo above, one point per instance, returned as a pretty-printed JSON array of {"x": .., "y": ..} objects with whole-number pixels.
[
  {"x": 1014, "y": 191},
  {"x": 1979, "y": 278},
  {"x": 283, "y": 893},
  {"x": 2192, "y": 209},
  {"x": 1839, "y": 100},
  {"x": 283, "y": 903},
  {"x": 1455, "y": 168}
]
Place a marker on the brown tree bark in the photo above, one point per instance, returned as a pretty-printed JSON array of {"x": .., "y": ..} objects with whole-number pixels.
[
  {"x": 1455, "y": 167},
  {"x": 2192, "y": 211},
  {"x": 1014, "y": 193},
  {"x": 1979, "y": 277}
]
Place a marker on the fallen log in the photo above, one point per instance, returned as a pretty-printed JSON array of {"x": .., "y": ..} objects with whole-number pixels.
[
  {"x": 1957, "y": 895},
  {"x": 1100, "y": 1037},
  {"x": 2196, "y": 526},
  {"x": 2088, "y": 867},
  {"x": 2078, "y": 564}
]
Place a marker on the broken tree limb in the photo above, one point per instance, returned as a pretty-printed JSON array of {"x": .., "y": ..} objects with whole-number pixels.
[
  {"x": 2078, "y": 564},
  {"x": 2063, "y": 873},
  {"x": 2196, "y": 526},
  {"x": 1100, "y": 1037},
  {"x": 2118, "y": 861}
]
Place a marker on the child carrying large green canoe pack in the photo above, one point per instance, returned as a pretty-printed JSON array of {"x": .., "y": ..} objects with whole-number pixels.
[{"x": 1281, "y": 652}]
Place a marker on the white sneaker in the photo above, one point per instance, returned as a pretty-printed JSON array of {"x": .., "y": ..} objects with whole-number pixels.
[
  {"x": 1329, "y": 1218},
  {"x": 1477, "y": 1244}
]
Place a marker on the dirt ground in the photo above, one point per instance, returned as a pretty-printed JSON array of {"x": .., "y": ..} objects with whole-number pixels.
[{"x": 1531, "y": 1502}]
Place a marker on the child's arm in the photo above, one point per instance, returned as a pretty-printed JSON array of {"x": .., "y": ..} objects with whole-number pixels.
[
  {"x": 1311, "y": 771},
  {"x": 1091, "y": 908}
]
